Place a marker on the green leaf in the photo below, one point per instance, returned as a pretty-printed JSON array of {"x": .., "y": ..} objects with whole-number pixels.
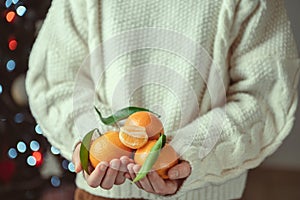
[
  {"x": 121, "y": 114},
  {"x": 151, "y": 158},
  {"x": 85, "y": 148}
]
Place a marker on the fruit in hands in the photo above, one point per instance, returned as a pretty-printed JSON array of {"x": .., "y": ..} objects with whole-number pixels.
[
  {"x": 107, "y": 147},
  {"x": 133, "y": 137},
  {"x": 153, "y": 125},
  {"x": 167, "y": 158}
]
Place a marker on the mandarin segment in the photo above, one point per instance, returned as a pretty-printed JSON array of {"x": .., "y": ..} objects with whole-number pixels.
[
  {"x": 167, "y": 158},
  {"x": 107, "y": 147},
  {"x": 153, "y": 125},
  {"x": 133, "y": 137}
]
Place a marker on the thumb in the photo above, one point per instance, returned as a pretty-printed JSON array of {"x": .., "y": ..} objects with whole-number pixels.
[
  {"x": 76, "y": 159},
  {"x": 179, "y": 171}
]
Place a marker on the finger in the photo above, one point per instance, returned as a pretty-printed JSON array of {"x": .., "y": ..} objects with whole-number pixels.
[
  {"x": 123, "y": 168},
  {"x": 95, "y": 178},
  {"x": 111, "y": 174},
  {"x": 162, "y": 186},
  {"x": 179, "y": 171},
  {"x": 132, "y": 174},
  {"x": 144, "y": 182},
  {"x": 76, "y": 159}
]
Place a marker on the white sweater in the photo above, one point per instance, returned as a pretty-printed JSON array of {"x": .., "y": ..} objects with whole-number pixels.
[{"x": 224, "y": 119}]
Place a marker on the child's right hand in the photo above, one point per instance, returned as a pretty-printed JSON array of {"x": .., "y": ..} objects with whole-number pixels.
[{"x": 105, "y": 174}]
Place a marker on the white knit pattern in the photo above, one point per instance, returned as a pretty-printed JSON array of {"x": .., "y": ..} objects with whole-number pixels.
[{"x": 251, "y": 42}]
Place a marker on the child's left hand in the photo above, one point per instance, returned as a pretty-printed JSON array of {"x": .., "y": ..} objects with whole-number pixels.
[{"x": 153, "y": 183}]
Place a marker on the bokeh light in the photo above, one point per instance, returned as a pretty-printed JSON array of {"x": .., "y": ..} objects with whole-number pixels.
[
  {"x": 8, "y": 3},
  {"x": 19, "y": 118},
  {"x": 10, "y": 16},
  {"x": 38, "y": 129},
  {"x": 21, "y": 146},
  {"x": 65, "y": 164},
  {"x": 54, "y": 150},
  {"x": 71, "y": 167},
  {"x": 38, "y": 157},
  {"x": 31, "y": 161},
  {"x": 12, "y": 44},
  {"x": 1, "y": 89},
  {"x": 34, "y": 145},
  {"x": 12, "y": 153},
  {"x": 10, "y": 65},
  {"x": 55, "y": 181},
  {"x": 15, "y": 1},
  {"x": 21, "y": 10}
]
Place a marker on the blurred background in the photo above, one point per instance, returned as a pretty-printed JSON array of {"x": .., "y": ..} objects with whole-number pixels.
[{"x": 30, "y": 168}]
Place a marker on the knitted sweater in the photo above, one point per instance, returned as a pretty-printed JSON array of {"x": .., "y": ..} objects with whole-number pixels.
[{"x": 222, "y": 73}]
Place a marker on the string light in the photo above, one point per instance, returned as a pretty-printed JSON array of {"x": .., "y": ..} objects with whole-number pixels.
[
  {"x": 34, "y": 145},
  {"x": 8, "y": 3},
  {"x": 71, "y": 167},
  {"x": 12, "y": 153},
  {"x": 1, "y": 89},
  {"x": 21, "y": 146},
  {"x": 38, "y": 157},
  {"x": 55, "y": 181},
  {"x": 38, "y": 129},
  {"x": 11, "y": 65},
  {"x": 19, "y": 118},
  {"x": 31, "y": 161},
  {"x": 12, "y": 44},
  {"x": 21, "y": 10},
  {"x": 10, "y": 16},
  {"x": 65, "y": 164},
  {"x": 54, "y": 150}
]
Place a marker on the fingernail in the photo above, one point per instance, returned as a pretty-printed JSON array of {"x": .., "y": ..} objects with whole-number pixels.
[
  {"x": 103, "y": 167},
  {"x": 174, "y": 174},
  {"x": 115, "y": 165}
]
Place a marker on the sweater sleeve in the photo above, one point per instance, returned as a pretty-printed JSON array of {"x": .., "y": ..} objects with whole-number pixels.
[
  {"x": 56, "y": 56},
  {"x": 260, "y": 106}
]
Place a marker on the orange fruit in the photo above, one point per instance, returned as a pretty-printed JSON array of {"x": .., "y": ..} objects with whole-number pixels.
[
  {"x": 107, "y": 147},
  {"x": 167, "y": 158},
  {"x": 153, "y": 125},
  {"x": 133, "y": 137}
]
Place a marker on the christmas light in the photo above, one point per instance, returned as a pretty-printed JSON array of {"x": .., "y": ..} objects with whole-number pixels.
[
  {"x": 65, "y": 164},
  {"x": 55, "y": 151},
  {"x": 34, "y": 145},
  {"x": 8, "y": 3},
  {"x": 19, "y": 118},
  {"x": 38, "y": 157},
  {"x": 55, "y": 181},
  {"x": 12, "y": 44},
  {"x": 10, "y": 16},
  {"x": 12, "y": 153},
  {"x": 15, "y": 1},
  {"x": 21, "y": 10},
  {"x": 10, "y": 65},
  {"x": 71, "y": 167},
  {"x": 21, "y": 146},
  {"x": 38, "y": 129},
  {"x": 1, "y": 89},
  {"x": 31, "y": 161}
]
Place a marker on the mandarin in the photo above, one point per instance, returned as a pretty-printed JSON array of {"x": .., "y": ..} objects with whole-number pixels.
[
  {"x": 167, "y": 158},
  {"x": 153, "y": 125},
  {"x": 133, "y": 137},
  {"x": 107, "y": 147}
]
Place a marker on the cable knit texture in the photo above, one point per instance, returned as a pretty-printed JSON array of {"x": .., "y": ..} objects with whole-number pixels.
[{"x": 249, "y": 40}]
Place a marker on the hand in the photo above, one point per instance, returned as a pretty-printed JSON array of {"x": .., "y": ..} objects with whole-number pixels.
[
  {"x": 105, "y": 174},
  {"x": 153, "y": 183}
]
